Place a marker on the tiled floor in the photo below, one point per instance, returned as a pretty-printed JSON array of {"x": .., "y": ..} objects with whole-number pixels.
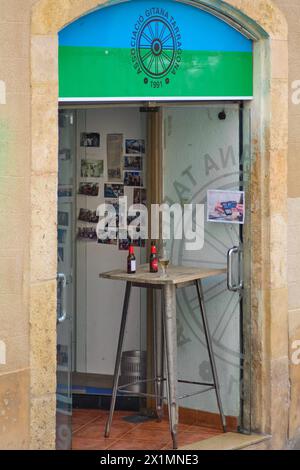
[{"x": 88, "y": 432}]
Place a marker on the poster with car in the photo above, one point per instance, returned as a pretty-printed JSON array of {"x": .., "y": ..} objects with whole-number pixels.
[{"x": 226, "y": 206}]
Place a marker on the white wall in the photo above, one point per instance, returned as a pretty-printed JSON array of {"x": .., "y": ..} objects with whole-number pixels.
[{"x": 99, "y": 301}]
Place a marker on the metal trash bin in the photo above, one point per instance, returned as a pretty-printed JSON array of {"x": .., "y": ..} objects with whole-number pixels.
[{"x": 133, "y": 368}]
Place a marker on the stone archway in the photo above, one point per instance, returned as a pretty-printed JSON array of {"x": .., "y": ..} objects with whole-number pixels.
[{"x": 269, "y": 187}]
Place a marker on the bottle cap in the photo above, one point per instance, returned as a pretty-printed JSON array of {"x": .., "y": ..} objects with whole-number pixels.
[{"x": 131, "y": 250}]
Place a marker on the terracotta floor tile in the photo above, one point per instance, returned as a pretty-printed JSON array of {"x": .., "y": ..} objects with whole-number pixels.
[
  {"x": 89, "y": 425},
  {"x": 79, "y": 443},
  {"x": 95, "y": 430}
]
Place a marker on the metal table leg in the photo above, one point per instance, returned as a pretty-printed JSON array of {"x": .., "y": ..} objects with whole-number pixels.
[
  {"x": 158, "y": 355},
  {"x": 169, "y": 313},
  {"x": 210, "y": 351},
  {"x": 118, "y": 359}
]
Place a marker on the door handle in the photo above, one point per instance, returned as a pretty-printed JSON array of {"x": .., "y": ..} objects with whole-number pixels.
[
  {"x": 62, "y": 280},
  {"x": 231, "y": 253}
]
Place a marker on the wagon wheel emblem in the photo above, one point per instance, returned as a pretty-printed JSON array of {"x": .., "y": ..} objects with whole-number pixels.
[{"x": 156, "y": 47}]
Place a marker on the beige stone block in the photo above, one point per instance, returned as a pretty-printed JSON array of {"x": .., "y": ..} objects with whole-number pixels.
[
  {"x": 294, "y": 321},
  {"x": 15, "y": 115},
  {"x": 44, "y": 228},
  {"x": 294, "y": 214},
  {"x": 279, "y": 115},
  {"x": 266, "y": 14},
  {"x": 49, "y": 17},
  {"x": 293, "y": 267},
  {"x": 11, "y": 272},
  {"x": 15, "y": 11},
  {"x": 15, "y": 157},
  {"x": 14, "y": 39},
  {"x": 42, "y": 423},
  {"x": 13, "y": 315},
  {"x": 294, "y": 127},
  {"x": 17, "y": 353},
  {"x": 279, "y": 402},
  {"x": 294, "y": 295},
  {"x": 43, "y": 338},
  {"x": 294, "y": 416},
  {"x": 14, "y": 411},
  {"x": 44, "y": 130},
  {"x": 279, "y": 323},
  {"x": 278, "y": 252},
  {"x": 278, "y": 182},
  {"x": 15, "y": 73},
  {"x": 44, "y": 59},
  {"x": 279, "y": 59}
]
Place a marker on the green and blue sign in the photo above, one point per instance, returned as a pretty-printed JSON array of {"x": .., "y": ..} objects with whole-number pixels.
[{"x": 162, "y": 49}]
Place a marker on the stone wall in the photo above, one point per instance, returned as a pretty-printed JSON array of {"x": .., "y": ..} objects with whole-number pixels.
[
  {"x": 291, "y": 9},
  {"x": 28, "y": 167}
]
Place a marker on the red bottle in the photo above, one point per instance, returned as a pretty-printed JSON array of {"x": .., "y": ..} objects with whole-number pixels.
[
  {"x": 153, "y": 259},
  {"x": 131, "y": 261}
]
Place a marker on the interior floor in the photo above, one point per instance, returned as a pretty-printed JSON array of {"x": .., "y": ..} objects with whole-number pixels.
[{"x": 129, "y": 433}]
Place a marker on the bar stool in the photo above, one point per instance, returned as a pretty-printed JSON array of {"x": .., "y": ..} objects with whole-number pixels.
[{"x": 165, "y": 350}]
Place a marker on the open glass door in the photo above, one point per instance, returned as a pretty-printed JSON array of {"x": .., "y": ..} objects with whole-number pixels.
[
  {"x": 203, "y": 164},
  {"x": 65, "y": 281}
]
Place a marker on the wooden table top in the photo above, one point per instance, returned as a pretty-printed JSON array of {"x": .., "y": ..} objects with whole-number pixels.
[{"x": 176, "y": 275}]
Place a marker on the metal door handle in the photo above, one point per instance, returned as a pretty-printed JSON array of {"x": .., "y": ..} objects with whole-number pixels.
[
  {"x": 61, "y": 279},
  {"x": 234, "y": 287}
]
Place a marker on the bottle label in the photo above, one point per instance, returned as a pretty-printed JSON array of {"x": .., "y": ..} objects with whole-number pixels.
[
  {"x": 133, "y": 265},
  {"x": 154, "y": 264}
]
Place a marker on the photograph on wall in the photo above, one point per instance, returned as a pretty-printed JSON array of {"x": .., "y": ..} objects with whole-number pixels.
[
  {"x": 87, "y": 234},
  {"x": 226, "y": 206},
  {"x": 113, "y": 190},
  {"x": 91, "y": 168},
  {"x": 89, "y": 189},
  {"x": 63, "y": 218},
  {"x": 61, "y": 254},
  {"x": 86, "y": 215},
  {"x": 110, "y": 236},
  {"x": 124, "y": 243},
  {"x": 91, "y": 139},
  {"x": 135, "y": 146},
  {"x": 65, "y": 191},
  {"x": 133, "y": 163},
  {"x": 140, "y": 196},
  {"x": 114, "y": 156},
  {"x": 133, "y": 178},
  {"x": 61, "y": 236}
]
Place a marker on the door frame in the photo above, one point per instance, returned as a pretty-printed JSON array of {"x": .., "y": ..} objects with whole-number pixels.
[{"x": 269, "y": 192}]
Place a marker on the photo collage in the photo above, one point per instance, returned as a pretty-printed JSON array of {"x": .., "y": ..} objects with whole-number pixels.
[{"x": 124, "y": 172}]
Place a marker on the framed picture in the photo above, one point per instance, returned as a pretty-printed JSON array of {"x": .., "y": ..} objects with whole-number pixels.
[
  {"x": 89, "y": 189},
  {"x": 91, "y": 139},
  {"x": 114, "y": 156},
  {"x": 133, "y": 178},
  {"x": 113, "y": 190},
  {"x": 87, "y": 233},
  {"x": 226, "y": 206},
  {"x": 91, "y": 168},
  {"x": 133, "y": 163},
  {"x": 86, "y": 215},
  {"x": 140, "y": 196},
  {"x": 134, "y": 146}
]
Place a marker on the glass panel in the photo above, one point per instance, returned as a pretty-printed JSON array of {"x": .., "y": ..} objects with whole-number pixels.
[
  {"x": 102, "y": 133},
  {"x": 201, "y": 153},
  {"x": 65, "y": 291}
]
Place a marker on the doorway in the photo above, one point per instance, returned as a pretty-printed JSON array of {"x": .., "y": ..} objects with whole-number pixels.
[{"x": 178, "y": 152}]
